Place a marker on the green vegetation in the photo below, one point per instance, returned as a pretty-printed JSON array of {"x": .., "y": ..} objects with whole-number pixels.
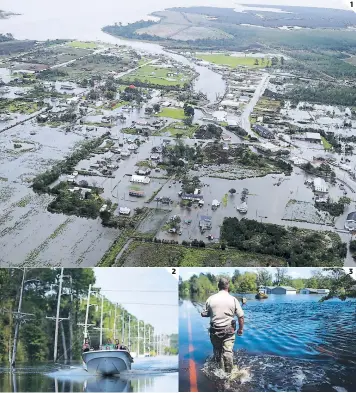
[
  {"x": 178, "y": 130},
  {"x": 83, "y": 45},
  {"x": 35, "y": 342},
  {"x": 335, "y": 279},
  {"x": 334, "y": 208},
  {"x": 153, "y": 75},
  {"x": 20, "y": 105},
  {"x": 235, "y": 61},
  {"x": 173, "y": 113},
  {"x": 327, "y": 145},
  {"x": 299, "y": 247},
  {"x": 158, "y": 254},
  {"x": 42, "y": 181}
]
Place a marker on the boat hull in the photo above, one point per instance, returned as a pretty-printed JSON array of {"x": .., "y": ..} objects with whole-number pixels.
[{"x": 108, "y": 362}]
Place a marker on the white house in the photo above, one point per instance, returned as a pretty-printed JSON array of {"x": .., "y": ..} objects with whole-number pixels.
[
  {"x": 313, "y": 137},
  {"x": 140, "y": 179},
  {"x": 124, "y": 210},
  {"x": 320, "y": 185}
]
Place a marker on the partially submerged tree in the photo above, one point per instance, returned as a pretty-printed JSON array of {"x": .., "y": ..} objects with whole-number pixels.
[{"x": 343, "y": 285}]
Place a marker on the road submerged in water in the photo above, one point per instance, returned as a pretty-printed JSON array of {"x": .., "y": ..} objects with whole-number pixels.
[
  {"x": 159, "y": 374},
  {"x": 290, "y": 343}
]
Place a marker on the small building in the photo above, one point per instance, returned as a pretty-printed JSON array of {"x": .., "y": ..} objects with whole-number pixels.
[
  {"x": 313, "y": 137},
  {"x": 283, "y": 290},
  {"x": 205, "y": 223},
  {"x": 320, "y": 186},
  {"x": 313, "y": 291},
  {"x": 350, "y": 223},
  {"x": 263, "y": 131},
  {"x": 155, "y": 157},
  {"x": 124, "y": 211},
  {"x": 140, "y": 179},
  {"x": 265, "y": 289}
]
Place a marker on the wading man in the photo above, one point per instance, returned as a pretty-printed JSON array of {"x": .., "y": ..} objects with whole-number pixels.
[{"x": 222, "y": 308}]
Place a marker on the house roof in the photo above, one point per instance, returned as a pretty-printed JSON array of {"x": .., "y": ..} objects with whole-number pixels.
[
  {"x": 287, "y": 288},
  {"x": 313, "y": 135}
]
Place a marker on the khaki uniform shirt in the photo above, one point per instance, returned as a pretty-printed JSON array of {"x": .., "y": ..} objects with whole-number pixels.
[{"x": 221, "y": 308}]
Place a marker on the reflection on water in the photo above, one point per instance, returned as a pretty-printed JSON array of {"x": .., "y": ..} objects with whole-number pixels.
[
  {"x": 149, "y": 375},
  {"x": 290, "y": 342}
]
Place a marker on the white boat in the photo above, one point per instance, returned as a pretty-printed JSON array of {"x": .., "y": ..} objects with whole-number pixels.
[
  {"x": 242, "y": 208},
  {"x": 107, "y": 362}
]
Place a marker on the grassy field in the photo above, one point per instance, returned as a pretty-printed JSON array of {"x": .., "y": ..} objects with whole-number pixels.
[
  {"x": 233, "y": 61},
  {"x": 158, "y": 76},
  {"x": 152, "y": 254},
  {"x": 174, "y": 130},
  {"x": 173, "y": 113},
  {"x": 83, "y": 45},
  {"x": 17, "y": 106},
  {"x": 326, "y": 144}
]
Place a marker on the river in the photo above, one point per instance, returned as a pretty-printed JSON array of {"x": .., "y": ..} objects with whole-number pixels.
[
  {"x": 290, "y": 343},
  {"x": 67, "y": 19},
  {"x": 147, "y": 375}
]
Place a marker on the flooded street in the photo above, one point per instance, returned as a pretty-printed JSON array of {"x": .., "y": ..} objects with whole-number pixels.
[
  {"x": 159, "y": 374},
  {"x": 290, "y": 343}
]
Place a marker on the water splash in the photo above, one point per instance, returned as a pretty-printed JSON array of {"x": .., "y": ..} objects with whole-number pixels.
[{"x": 225, "y": 381}]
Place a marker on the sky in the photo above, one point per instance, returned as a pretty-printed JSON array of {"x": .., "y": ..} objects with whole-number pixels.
[{"x": 135, "y": 285}]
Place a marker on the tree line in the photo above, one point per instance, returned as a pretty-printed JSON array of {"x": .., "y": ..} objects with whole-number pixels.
[
  {"x": 40, "y": 293},
  {"x": 339, "y": 282}
]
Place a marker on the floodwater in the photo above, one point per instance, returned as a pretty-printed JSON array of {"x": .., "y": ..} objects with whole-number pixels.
[
  {"x": 158, "y": 374},
  {"x": 80, "y": 20},
  {"x": 290, "y": 343}
]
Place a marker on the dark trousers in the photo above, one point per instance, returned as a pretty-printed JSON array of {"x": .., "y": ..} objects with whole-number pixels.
[{"x": 223, "y": 350}]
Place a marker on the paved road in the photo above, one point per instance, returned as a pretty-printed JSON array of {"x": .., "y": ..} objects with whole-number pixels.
[{"x": 245, "y": 117}]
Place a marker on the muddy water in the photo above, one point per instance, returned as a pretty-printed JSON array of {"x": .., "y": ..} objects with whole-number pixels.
[{"x": 290, "y": 343}]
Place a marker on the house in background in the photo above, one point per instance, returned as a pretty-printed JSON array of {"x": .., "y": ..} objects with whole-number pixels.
[
  {"x": 265, "y": 289},
  {"x": 313, "y": 291},
  {"x": 283, "y": 290}
]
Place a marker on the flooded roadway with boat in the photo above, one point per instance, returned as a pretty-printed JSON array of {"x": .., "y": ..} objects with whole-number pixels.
[{"x": 158, "y": 374}]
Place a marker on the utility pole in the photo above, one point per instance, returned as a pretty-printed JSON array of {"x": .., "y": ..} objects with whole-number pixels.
[
  {"x": 149, "y": 339},
  {"x": 101, "y": 321},
  {"x": 115, "y": 323},
  {"x": 57, "y": 316},
  {"x": 87, "y": 314},
  {"x": 57, "y": 319},
  {"x": 138, "y": 337},
  {"x": 18, "y": 321},
  {"x": 123, "y": 326},
  {"x": 144, "y": 338},
  {"x": 129, "y": 343}
]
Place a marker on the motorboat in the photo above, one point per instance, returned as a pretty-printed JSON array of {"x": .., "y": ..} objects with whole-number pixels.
[
  {"x": 109, "y": 359},
  {"x": 242, "y": 208},
  {"x": 261, "y": 295},
  {"x": 107, "y": 362}
]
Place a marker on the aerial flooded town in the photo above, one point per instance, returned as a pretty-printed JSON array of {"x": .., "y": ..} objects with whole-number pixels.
[{"x": 114, "y": 154}]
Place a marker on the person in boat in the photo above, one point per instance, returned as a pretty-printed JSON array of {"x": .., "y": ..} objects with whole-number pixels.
[
  {"x": 117, "y": 344},
  {"x": 86, "y": 345},
  {"x": 222, "y": 308}
]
